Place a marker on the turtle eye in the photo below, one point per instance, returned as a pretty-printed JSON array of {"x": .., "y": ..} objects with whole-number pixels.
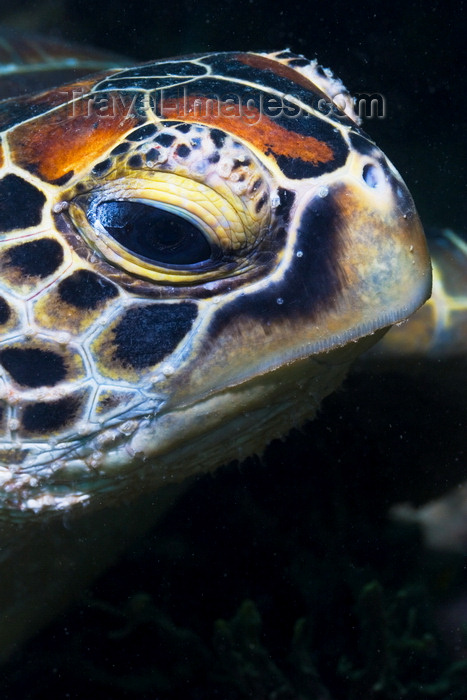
[
  {"x": 167, "y": 227},
  {"x": 156, "y": 234}
]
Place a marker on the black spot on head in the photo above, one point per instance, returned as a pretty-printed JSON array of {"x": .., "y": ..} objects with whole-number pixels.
[
  {"x": 238, "y": 163},
  {"x": 218, "y": 137},
  {"x": 214, "y": 158},
  {"x": 327, "y": 134},
  {"x": 152, "y": 155},
  {"x": 320, "y": 70},
  {"x": 121, "y": 148},
  {"x": 361, "y": 144},
  {"x": 36, "y": 258},
  {"x": 20, "y": 203},
  {"x": 86, "y": 290},
  {"x": 298, "y": 169},
  {"x": 102, "y": 167},
  {"x": 63, "y": 179},
  {"x": 147, "y": 334},
  {"x": 135, "y": 161},
  {"x": 144, "y": 132},
  {"x": 182, "y": 151},
  {"x": 298, "y": 62},
  {"x": 33, "y": 367},
  {"x": 108, "y": 403},
  {"x": 45, "y": 417},
  {"x": 315, "y": 272},
  {"x": 5, "y": 311},
  {"x": 287, "y": 198},
  {"x": 313, "y": 279},
  {"x": 184, "y": 128},
  {"x": 165, "y": 139}
]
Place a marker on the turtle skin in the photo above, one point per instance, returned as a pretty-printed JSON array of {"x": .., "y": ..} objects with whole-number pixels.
[{"x": 193, "y": 252}]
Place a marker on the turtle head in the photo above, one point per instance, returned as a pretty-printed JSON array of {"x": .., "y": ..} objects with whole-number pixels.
[{"x": 186, "y": 276}]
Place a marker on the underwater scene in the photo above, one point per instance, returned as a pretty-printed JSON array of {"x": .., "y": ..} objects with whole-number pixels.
[{"x": 330, "y": 564}]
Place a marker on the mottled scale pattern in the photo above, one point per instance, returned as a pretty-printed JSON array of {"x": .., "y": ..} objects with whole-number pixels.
[{"x": 114, "y": 325}]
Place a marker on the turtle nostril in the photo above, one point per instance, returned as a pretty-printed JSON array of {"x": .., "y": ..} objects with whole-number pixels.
[{"x": 371, "y": 175}]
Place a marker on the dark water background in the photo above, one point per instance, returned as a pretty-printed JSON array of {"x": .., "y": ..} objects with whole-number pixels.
[{"x": 303, "y": 534}]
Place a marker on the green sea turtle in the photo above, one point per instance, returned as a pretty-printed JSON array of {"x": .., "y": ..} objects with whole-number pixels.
[{"x": 193, "y": 251}]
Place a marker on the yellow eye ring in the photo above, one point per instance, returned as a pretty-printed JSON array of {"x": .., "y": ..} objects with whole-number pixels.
[{"x": 226, "y": 229}]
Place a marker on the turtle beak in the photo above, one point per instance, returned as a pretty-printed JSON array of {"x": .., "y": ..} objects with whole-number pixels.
[{"x": 378, "y": 269}]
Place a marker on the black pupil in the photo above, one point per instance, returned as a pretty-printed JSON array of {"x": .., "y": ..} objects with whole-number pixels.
[{"x": 155, "y": 234}]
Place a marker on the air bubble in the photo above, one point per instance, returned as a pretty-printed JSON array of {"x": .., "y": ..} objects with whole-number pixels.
[
  {"x": 299, "y": 253},
  {"x": 280, "y": 301},
  {"x": 323, "y": 192}
]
